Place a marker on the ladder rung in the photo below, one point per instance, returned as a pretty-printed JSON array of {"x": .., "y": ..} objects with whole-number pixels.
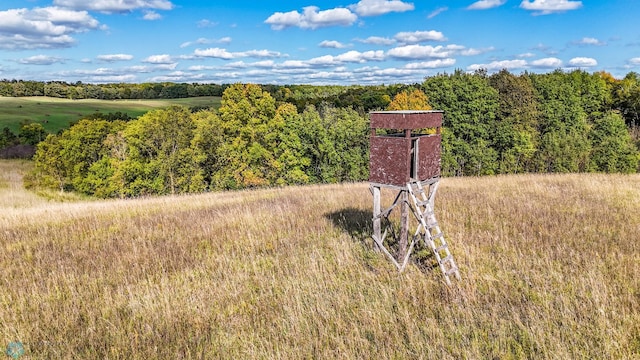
[
  {"x": 422, "y": 202},
  {"x": 428, "y": 213},
  {"x": 425, "y": 215},
  {"x": 453, "y": 270}
]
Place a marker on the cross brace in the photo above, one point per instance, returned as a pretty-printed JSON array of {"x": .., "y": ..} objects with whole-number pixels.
[{"x": 420, "y": 202}]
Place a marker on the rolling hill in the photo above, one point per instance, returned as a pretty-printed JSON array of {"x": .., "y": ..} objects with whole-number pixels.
[
  {"x": 550, "y": 269},
  {"x": 55, "y": 113}
]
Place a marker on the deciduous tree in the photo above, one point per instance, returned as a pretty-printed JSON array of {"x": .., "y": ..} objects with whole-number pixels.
[
  {"x": 251, "y": 133},
  {"x": 470, "y": 106},
  {"x": 159, "y": 157},
  {"x": 32, "y": 133},
  {"x": 410, "y": 100},
  {"x": 516, "y": 137},
  {"x": 613, "y": 149},
  {"x": 564, "y": 129}
]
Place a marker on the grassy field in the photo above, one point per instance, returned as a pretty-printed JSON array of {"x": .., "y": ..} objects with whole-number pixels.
[
  {"x": 550, "y": 269},
  {"x": 55, "y": 114}
]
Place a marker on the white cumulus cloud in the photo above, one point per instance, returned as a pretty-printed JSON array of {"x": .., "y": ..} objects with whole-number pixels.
[
  {"x": 205, "y": 41},
  {"x": 433, "y": 64},
  {"x": 377, "y": 40},
  {"x": 114, "y": 57},
  {"x": 214, "y": 53},
  {"x": 44, "y": 28},
  {"x": 114, "y": 5},
  {"x": 220, "y": 53},
  {"x": 380, "y": 7},
  {"x": 259, "y": 54},
  {"x": 547, "y": 63},
  {"x": 159, "y": 59},
  {"x": 332, "y": 44},
  {"x": 267, "y": 64},
  {"x": 544, "y": 7},
  {"x": 419, "y": 36},
  {"x": 41, "y": 60},
  {"x": 420, "y": 52},
  {"x": 323, "y": 61},
  {"x": 294, "y": 64},
  {"x": 360, "y": 57},
  {"x": 348, "y": 57},
  {"x": 416, "y": 52},
  {"x": 311, "y": 18},
  {"x": 583, "y": 62},
  {"x": 486, "y": 4},
  {"x": 499, "y": 65},
  {"x": 151, "y": 15},
  {"x": 201, "y": 68},
  {"x": 590, "y": 41}
]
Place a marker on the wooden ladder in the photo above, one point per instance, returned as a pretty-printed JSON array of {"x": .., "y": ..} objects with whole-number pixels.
[{"x": 429, "y": 230}]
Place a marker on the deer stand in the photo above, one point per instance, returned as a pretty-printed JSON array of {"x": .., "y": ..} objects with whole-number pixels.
[{"x": 405, "y": 160}]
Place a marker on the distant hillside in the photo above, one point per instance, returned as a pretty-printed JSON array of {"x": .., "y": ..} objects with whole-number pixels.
[
  {"x": 55, "y": 114},
  {"x": 549, "y": 264}
]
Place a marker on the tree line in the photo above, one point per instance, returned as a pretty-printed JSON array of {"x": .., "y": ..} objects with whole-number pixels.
[
  {"x": 555, "y": 122},
  {"x": 367, "y": 97},
  {"x": 249, "y": 141},
  {"x": 115, "y": 91},
  {"x": 623, "y": 95},
  {"x": 270, "y": 136}
]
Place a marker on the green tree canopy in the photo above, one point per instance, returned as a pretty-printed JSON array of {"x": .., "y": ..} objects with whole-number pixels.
[
  {"x": 564, "y": 129},
  {"x": 516, "y": 137},
  {"x": 159, "y": 158},
  {"x": 613, "y": 149},
  {"x": 32, "y": 133},
  {"x": 470, "y": 107},
  {"x": 626, "y": 94},
  {"x": 410, "y": 100}
]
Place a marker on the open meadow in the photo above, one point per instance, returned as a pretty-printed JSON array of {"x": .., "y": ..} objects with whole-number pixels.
[
  {"x": 55, "y": 114},
  {"x": 550, "y": 268}
]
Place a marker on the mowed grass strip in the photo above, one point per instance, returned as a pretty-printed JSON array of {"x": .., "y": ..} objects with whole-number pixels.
[
  {"x": 549, "y": 265},
  {"x": 55, "y": 114}
]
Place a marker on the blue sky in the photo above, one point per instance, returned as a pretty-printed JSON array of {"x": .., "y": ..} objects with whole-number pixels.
[{"x": 311, "y": 41}]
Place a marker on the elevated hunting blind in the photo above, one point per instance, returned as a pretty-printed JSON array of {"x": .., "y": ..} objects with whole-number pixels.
[
  {"x": 405, "y": 158},
  {"x": 402, "y": 156}
]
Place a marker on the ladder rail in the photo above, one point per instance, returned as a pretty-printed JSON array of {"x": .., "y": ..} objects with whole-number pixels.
[{"x": 429, "y": 229}]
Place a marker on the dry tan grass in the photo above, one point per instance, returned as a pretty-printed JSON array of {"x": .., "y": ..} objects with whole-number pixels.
[{"x": 549, "y": 264}]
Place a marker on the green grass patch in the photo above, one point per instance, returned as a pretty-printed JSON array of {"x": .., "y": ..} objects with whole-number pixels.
[{"x": 55, "y": 114}]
